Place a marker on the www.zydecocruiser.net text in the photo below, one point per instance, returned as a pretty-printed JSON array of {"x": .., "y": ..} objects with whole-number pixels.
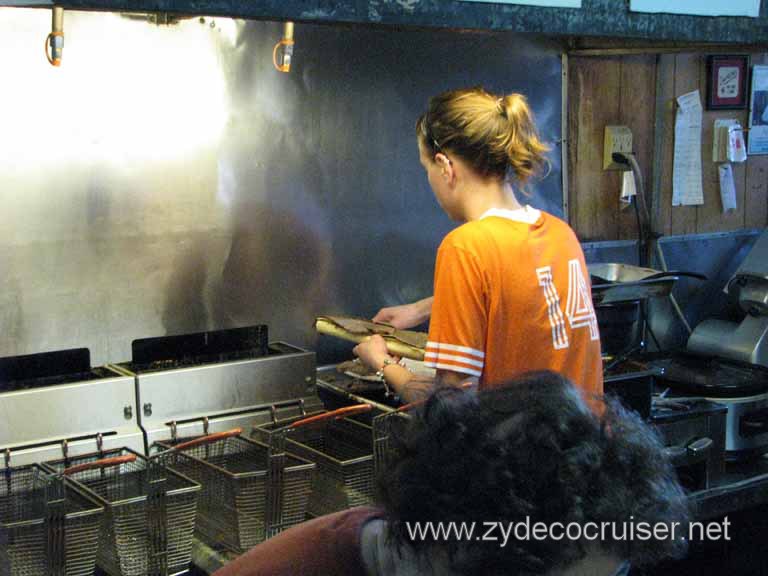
[{"x": 525, "y": 530}]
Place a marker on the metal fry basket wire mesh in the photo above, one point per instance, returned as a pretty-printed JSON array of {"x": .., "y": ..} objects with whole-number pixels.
[
  {"x": 149, "y": 511},
  {"x": 342, "y": 449},
  {"x": 251, "y": 491},
  {"x": 383, "y": 426},
  {"x": 47, "y": 527}
]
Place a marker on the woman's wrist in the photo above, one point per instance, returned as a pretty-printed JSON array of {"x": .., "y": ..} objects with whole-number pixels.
[
  {"x": 424, "y": 308},
  {"x": 382, "y": 365}
]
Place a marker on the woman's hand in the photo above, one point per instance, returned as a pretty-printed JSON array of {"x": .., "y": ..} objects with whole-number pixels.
[
  {"x": 406, "y": 315},
  {"x": 372, "y": 352}
]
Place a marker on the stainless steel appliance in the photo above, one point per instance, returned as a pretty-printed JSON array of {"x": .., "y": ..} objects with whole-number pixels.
[
  {"x": 694, "y": 435},
  {"x": 208, "y": 382},
  {"x": 620, "y": 293},
  {"x": 337, "y": 389},
  {"x": 55, "y": 404},
  {"x": 741, "y": 387},
  {"x": 615, "y": 282},
  {"x": 746, "y": 341},
  {"x": 694, "y": 431},
  {"x": 633, "y": 384}
]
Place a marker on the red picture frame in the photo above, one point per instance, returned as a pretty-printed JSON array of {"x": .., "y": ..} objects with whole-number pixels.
[{"x": 727, "y": 82}]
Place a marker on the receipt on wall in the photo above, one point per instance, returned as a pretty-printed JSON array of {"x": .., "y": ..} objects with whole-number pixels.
[
  {"x": 686, "y": 169},
  {"x": 727, "y": 187}
]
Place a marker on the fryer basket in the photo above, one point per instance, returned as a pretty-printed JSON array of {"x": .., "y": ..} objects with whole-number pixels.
[
  {"x": 149, "y": 511},
  {"x": 251, "y": 491},
  {"x": 47, "y": 527},
  {"x": 342, "y": 449}
]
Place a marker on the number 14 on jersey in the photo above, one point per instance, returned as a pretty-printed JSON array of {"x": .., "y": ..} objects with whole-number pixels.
[{"x": 578, "y": 306}]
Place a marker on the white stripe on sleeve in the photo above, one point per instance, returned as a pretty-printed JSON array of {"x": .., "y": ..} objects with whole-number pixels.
[
  {"x": 439, "y": 346},
  {"x": 438, "y": 356},
  {"x": 454, "y": 368}
]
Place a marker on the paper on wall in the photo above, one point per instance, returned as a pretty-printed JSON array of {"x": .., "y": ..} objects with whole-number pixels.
[
  {"x": 687, "y": 186},
  {"x": 758, "y": 116},
  {"x": 737, "y": 151},
  {"x": 628, "y": 189},
  {"x": 727, "y": 187},
  {"x": 728, "y": 141}
]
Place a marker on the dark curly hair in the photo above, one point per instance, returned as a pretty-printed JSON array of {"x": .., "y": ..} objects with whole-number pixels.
[{"x": 530, "y": 449}]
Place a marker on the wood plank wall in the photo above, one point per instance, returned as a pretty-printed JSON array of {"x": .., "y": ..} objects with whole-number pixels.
[{"x": 627, "y": 90}]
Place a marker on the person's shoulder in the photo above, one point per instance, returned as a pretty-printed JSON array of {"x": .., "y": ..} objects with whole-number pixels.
[
  {"x": 557, "y": 225},
  {"x": 467, "y": 235},
  {"x": 552, "y": 219}
]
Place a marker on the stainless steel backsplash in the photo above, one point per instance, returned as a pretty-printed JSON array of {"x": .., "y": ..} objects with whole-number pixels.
[{"x": 167, "y": 179}]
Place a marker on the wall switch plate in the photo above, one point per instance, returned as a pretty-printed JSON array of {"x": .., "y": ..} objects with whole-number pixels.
[{"x": 617, "y": 139}]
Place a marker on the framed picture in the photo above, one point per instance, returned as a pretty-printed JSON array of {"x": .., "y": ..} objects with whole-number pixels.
[{"x": 727, "y": 82}]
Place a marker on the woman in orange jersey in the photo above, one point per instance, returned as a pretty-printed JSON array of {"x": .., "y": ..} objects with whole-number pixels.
[{"x": 511, "y": 289}]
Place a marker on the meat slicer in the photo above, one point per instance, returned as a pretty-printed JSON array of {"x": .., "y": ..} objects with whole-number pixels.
[{"x": 746, "y": 341}]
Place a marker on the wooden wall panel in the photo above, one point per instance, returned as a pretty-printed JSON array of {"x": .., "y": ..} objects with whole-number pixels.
[
  {"x": 666, "y": 100},
  {"x": 756, "y": 201},
  {"x": 623, "y": 90},
  {"x": 756, "y": 186},
  {"x": 593, "y": 193},
  {"x": 686, "y": 80},
  {"x": 637, "y": 111}
]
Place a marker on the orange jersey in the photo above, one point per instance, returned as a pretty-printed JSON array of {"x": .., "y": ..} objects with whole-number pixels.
[{"x": 512, "y": 294}]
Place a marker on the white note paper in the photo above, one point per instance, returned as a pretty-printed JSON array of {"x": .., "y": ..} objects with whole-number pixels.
[
  {"x": 686, "y": 170},
  {"x": 737, "y": 151},
  {"x": 628, "y": 189},
  {"x": 727, "y": 187}
]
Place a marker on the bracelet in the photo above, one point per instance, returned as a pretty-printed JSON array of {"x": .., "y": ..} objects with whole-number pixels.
[{"x": 380, "y": 371}]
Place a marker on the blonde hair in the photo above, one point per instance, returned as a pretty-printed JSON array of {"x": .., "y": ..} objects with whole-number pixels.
[{"x": 496, "y": 135}]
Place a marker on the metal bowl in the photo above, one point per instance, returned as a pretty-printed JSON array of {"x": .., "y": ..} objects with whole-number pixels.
[{"x": 615, "y": 282}]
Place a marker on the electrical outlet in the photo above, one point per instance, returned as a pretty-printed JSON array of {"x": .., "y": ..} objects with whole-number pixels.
[{"x": 617, "y": 139}]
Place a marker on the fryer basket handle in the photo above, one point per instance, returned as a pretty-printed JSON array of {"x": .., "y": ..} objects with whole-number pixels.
[
  {"x": 103, "y": 463},
  {"x": 208, "y": 439},
  {"x": 333, "y": 415}
]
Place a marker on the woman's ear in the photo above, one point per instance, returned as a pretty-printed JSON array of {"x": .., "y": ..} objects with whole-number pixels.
[{"x": 445, "y": 164}]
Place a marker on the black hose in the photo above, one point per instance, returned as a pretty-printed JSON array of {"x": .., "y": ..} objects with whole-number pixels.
[
  {"x": 641, "y": 235},
  {"x": 640, "y": 191}
]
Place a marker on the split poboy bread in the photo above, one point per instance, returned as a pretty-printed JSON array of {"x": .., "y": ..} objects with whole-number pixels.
[{"x": 405, "y": 343}]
